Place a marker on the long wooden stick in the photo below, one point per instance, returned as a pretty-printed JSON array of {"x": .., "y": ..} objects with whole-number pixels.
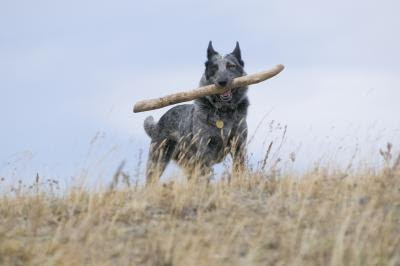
[{"x": 179, "y": 97}]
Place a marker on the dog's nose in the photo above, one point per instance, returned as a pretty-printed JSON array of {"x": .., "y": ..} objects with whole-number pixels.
[{"x": 222, "y": 83}]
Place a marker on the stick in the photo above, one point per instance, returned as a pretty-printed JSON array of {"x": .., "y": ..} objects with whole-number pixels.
[{"x": 179, "y": 97}]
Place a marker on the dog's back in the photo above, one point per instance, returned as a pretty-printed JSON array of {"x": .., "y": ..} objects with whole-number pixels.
[{"x": 175, "y": 122}]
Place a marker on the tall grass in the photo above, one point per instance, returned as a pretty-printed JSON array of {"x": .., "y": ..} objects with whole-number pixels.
[{"x": 321, "y": 217}]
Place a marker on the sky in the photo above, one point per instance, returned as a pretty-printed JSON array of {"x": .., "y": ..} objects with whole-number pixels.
[{"x": 70, "y": 72}]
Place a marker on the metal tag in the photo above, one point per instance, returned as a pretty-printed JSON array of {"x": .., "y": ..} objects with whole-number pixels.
[{"x": 219, "y": 124}]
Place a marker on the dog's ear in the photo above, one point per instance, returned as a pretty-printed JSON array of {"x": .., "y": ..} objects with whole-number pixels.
[
  {"x": 238, "y": 54},
  {"x": 210, "y": 51}
]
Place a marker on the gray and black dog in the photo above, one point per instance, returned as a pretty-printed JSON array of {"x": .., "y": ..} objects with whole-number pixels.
[{"x": 197, "y": 136}]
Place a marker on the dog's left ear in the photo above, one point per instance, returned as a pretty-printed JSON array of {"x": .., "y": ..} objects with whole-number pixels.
[
  {"x": 238, "y": 54},
  {"x": 210, "y": 51}
]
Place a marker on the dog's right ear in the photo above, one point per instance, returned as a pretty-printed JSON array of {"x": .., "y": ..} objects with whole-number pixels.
[
  {"x": 238, "y": 54},
  {"x": 210, "y": 51}
]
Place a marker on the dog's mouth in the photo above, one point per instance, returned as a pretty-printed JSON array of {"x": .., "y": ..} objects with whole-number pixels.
[{"x": 226, "y": 96}]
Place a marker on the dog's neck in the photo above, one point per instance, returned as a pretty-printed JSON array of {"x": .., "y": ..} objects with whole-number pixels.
[{"x": 208, "y": 105}]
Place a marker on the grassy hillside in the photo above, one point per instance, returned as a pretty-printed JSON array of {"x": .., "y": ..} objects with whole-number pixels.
[{"x": 321, "y": 218}]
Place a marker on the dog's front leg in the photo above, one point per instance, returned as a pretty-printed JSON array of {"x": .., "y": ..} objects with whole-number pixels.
[
  {"x": 238, "y": 152},
  {"x": 239, "y": 161}
]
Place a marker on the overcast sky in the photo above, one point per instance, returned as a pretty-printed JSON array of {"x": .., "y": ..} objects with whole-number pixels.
[{"x": 70, "y": 72}]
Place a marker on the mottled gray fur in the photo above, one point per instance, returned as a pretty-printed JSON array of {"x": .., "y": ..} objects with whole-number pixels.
[{"x": 188, "y": 133}]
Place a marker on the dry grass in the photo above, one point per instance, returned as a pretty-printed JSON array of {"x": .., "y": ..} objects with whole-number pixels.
[{"x": 317, "y": 219}]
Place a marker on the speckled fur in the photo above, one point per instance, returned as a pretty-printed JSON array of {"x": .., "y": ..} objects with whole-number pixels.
[{"x": 188, "y": 133}]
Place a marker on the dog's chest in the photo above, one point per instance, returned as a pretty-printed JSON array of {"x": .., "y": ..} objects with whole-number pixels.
[{"x": 219, "y": 126}]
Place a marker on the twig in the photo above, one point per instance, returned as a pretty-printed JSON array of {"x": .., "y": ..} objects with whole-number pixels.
[{"x": 115, "y": 179}]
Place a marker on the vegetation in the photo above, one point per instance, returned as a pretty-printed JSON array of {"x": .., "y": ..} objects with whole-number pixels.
[{"x": 319, "y": 218}]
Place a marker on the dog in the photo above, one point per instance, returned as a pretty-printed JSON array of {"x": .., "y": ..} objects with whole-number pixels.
[{"x": 199, "y": 135}]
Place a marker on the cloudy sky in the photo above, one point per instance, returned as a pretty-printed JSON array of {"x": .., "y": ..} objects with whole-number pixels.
[{"x": 70, "y": 72}]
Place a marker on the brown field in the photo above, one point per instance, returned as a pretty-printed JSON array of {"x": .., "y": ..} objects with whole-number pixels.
[{"x": 320, "y": 218}]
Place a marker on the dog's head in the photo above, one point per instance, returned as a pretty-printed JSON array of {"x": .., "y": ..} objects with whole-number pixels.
[{"x": 221, "y": 70}]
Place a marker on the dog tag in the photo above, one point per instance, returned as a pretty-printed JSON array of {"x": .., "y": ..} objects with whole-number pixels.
[{"x": 219, "y": 124}]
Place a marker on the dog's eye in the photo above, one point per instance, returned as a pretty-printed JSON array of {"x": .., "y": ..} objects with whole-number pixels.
[
  {"x": 231, "y": 66},
  {"x": 214, "y": 67}
]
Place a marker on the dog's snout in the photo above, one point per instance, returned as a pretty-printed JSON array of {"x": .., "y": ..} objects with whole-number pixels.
[{"x": 222, "y": 83}]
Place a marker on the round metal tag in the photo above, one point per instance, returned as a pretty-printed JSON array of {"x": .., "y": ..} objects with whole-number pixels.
[{"x": 219, "y": 124}]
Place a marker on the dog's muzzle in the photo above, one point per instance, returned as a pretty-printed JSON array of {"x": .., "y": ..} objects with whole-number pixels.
[{"x": 226, "y": 96}]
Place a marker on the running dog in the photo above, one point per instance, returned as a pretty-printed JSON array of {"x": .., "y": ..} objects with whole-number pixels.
[{"x": 197, "y": 136}]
